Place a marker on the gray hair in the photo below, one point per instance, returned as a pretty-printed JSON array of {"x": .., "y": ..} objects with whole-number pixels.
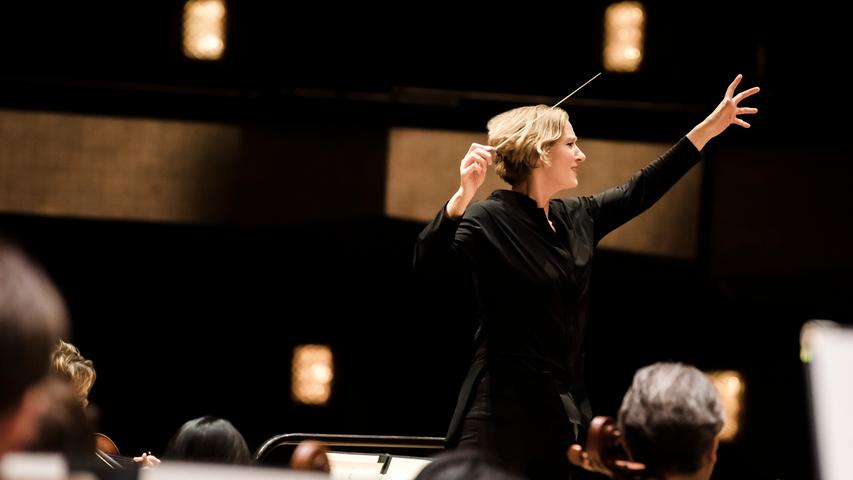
[{"x": 670, "y": 416}]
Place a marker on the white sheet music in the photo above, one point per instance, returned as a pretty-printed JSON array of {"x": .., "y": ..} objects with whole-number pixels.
[{"x": 831, "y": 376}]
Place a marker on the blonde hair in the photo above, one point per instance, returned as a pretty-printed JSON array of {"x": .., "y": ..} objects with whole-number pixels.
[
  {"x": 67, "y": 363},
  {"x": 525, "y": 134}
]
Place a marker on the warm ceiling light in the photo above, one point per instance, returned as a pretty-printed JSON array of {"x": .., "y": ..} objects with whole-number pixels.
[
  {"x": 312, "y": 374},
  {"x": 624, "y": 27},
  {"x": 204, "y": 29},
  {"x": 731, "y": 386}
]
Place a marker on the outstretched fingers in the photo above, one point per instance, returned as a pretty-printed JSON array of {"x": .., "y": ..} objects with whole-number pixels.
[
  {"x": 741, "y": 123},
  {"x": 736, "y": 99},
  {"x": 730, "y": 92},
  {"x": 746, "y": 93}
]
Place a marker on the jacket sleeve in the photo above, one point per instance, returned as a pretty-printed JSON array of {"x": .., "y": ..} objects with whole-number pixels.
[
  {"x": 614, "y": 207},
  {"x": 447, "y": 244}
]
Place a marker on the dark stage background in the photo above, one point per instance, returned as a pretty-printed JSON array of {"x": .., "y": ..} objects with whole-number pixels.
[{"x": 187, "y": 319}]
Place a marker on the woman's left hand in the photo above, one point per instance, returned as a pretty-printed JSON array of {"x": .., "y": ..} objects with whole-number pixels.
[
  {"x": 728, "y": 110},
  {"x": 724, "y": 115}
]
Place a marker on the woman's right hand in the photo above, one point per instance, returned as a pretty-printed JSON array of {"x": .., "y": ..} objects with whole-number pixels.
[
  {"x": 473, "y": 168},
  {"x": 472, "y": 174}
]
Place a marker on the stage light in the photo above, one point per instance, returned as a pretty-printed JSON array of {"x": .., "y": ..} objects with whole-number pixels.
[
  {"x": 312, "y": 374},
  {"x": 624, "y": 30},
  {"x": 731, "y": 386},
  {"x": 204, "y": 29}
]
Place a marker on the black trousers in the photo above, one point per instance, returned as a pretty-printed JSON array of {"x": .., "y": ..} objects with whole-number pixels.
[{"x": 522, "y": 420}]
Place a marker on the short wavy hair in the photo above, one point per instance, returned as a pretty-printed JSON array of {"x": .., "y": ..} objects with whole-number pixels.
[
  {"x": 524, "y": 134},
  {"x": 67, "y": 363},
  {"x": 670, "y": 416}
]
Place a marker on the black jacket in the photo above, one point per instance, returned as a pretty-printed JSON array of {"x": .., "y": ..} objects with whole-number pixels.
[{"x": 532, "y": 282}]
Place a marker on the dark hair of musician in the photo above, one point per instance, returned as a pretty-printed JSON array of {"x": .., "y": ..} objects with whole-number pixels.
[
  {"x": 466, "y": 463},
  {"x": 208, "y": 439}
]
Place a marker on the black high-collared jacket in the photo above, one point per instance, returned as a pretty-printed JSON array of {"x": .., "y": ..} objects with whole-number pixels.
[{"x": 532, "y": 282}]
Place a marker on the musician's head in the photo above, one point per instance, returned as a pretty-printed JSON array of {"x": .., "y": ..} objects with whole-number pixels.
[
  {"x": 67, "y": 363},
  {"x": 208, "y": 439},
  {"x": 466, "y": 463},
  {"x": 32, "y": 319},
  {"x": 671, "y": 418},
  {"x": 535, "y": 137},
  {"x": 64, "y": 425}
]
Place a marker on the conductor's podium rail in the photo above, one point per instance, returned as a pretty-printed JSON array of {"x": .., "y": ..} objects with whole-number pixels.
[{"x": 358, "y": 456}]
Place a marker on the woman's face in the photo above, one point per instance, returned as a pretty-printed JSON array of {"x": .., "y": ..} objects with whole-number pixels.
[{"x": 565, "y": 157}]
